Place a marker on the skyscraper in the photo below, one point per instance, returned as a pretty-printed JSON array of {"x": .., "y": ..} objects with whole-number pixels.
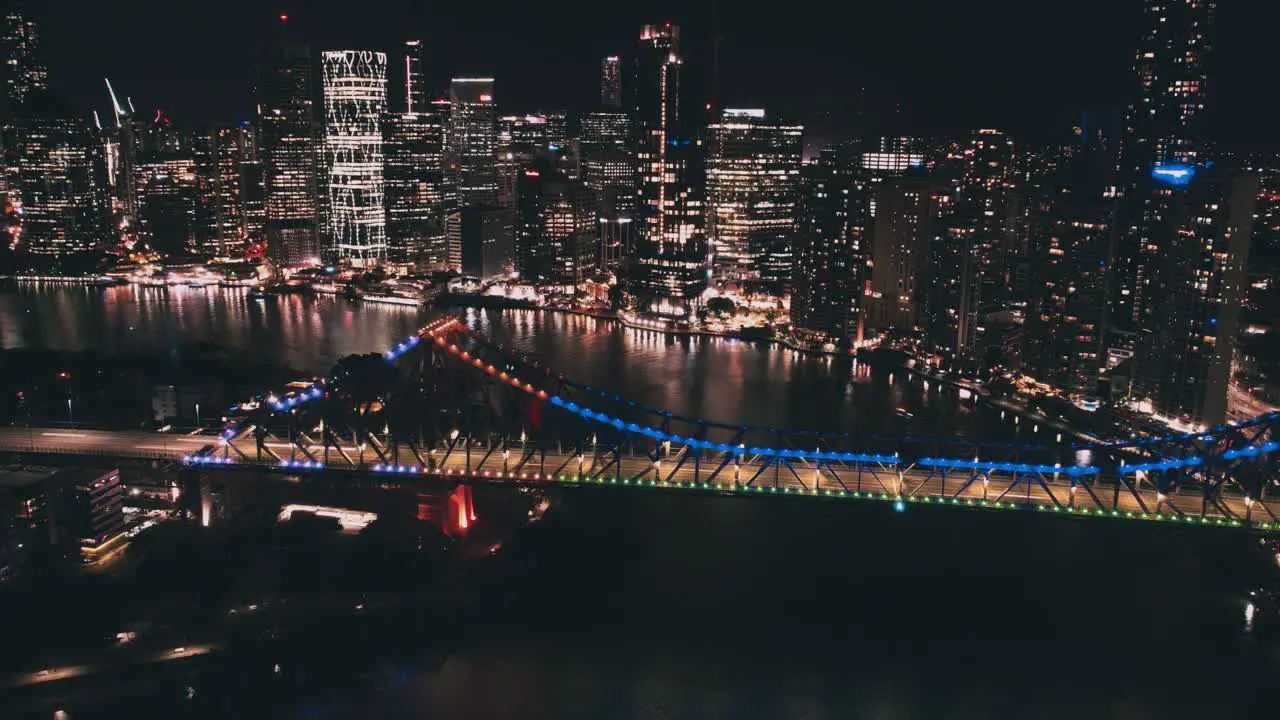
[
  {"x": 286, "y": 121},
  {"x": 753, "y": 193},
  {"x": 608, "y": 164},
  {"x": 411, "y": 86},
  {"x": 611, "y": 82},
  {"x": 555, "y": 226},
  {"x": 1183, "y": 234},
  {"x": 55, "y": 181},
  {"x": 669, "y": 269},
  {"x": 23, "y": 68},
  {"x": 1163, "y": 126},
  {"x": 828, "y": 271},
  {"x": 1187, "y": 341},
  {"x": 414, "y": 193},
  {"x": 902, "y": 238},
  {"x": 473, "y": 141},
  {"x": 355, "y": 99}
]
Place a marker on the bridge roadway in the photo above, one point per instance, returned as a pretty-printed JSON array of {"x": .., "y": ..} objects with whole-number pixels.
[{"x": 880, "y": 482}]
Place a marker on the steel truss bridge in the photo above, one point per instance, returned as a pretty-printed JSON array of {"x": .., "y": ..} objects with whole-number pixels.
[{"x": 451, "y": 404}]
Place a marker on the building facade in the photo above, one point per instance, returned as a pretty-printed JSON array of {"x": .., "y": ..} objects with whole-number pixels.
[
  {"x": 289, "y": 152},
  {"x": 355, "y": 100}
]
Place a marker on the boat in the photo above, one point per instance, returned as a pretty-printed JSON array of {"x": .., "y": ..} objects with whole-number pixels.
[
  {"x": 259, "y": 293},
  {"x": 389, "y": 299}
]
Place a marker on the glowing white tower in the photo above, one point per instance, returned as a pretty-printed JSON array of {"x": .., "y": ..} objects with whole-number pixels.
[{"x": 355, "y": 98}]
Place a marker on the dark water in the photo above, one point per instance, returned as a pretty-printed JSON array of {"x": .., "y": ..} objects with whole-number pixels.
[{"x": 631, "y": 605}]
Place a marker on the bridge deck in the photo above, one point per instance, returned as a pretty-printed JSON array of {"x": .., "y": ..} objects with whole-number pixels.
[{"x": 1046, "y": 493}]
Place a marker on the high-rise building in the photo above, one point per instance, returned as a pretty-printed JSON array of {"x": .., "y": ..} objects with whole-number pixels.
[
  {"x": 669, "y": 268},
  {"x": 55, "y": 181},
  {"x": 223, "y": 185},
  {"x": 828, "y": 269},
  {"x": 608, "y": 163},
  {"x": 1187, "y": 339},
  {"x": 611, "y": 82},
  {"x": 124, "y": 168},
  {"x": 555, "y": 227},
  {"x": 289, "y": 151},
  {"x": 167, "y": 188},
  {"x": 473, "y": 141},
  {"x": 485, "y": 241},
  {"x": 1165, "y": 121},
  {"x": 410, "y": 86},
  {"x": 414, "y": 174},
  {"x": 23, "y": 67},
  {"x": 1164, "y": 125},
  {"x": 985, "y": 198},
  {"x": 355, "y": 99},
  {"x": 753, "y": 192},
  {"x": 902, "y": 238}
]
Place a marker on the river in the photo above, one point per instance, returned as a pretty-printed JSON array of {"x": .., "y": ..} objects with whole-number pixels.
[{"x": 622, "y": 605}]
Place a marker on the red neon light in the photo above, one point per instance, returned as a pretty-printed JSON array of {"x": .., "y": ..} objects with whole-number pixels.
[{"x": 284, "y": 18}]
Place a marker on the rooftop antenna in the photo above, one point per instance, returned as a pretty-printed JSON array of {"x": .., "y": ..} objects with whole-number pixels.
[
  {"x": 97, "y": 123},
  {"x": 131, "y": 110}
]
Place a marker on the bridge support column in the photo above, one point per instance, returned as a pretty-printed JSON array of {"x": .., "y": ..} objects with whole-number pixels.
[{"x": 462, "y": 511}]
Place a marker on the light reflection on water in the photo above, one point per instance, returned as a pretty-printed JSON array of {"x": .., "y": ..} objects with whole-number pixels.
[{"x": 714, "y": 378}]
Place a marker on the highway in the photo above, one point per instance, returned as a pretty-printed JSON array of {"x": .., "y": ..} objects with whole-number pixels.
[{"x": 875, "y": 481}]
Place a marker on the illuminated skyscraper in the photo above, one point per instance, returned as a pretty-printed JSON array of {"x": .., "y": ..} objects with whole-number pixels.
[
  {"x": 1182, "y": 230},
  {"x": 55, "y": 181},
  {"x": 611, "y": 82},
  {"x": 902, "y": 239},
  {"x": 24, "y": 71},
  {"x": 410, "y": 85},
  {"x": 828, "y": 271},
  {"x": 669, "y": 269},
  {"x": 289, "y": 151},
  {"x": 415, "y": 196},
  {"x": 473, "y": 141},
  {"x": 555, "y": 227},
  {"x": 608, "y": 164},
  {"x": 753, "y": 192},
  {"x": 355, "y": 99}
]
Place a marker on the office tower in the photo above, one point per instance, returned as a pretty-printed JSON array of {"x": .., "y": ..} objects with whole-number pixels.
[
  {"x": 355, "y": 99},
  {"x": 414, "y": 174},
  {"x": 409, "y": 92},
  {"x": 289, "y": 151},
  {"x": 167, "y": 191},
  {"x": 218, "y": 161},
  {"x": 655, "y": 112},
  {"x": 473, "y": 141},
  {"x": 753, "y": 189},
  {"x": 252, "y": 183},
  {"x": 617, "y": 241},
  {"x": 555, "y": 225},
  {"x": 828, "y": 269},
  {"x": 611, "y": 82},
  {"x": 669, "y": 269},
  {"x": 902, "y": 238},
  {"x": 608, "y": 163},
  {"x": 954, "y": 294},
  {"x": 484, "y": 240},
  {"x": 558, "y": 139},
  {"x": 24, "y": 70},
  {"x": 529, "y": 132},
  {"x": 55, "y": 180}
]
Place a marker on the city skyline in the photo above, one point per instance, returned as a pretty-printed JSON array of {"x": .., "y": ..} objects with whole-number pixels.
[{"x": 812, "y": 67}]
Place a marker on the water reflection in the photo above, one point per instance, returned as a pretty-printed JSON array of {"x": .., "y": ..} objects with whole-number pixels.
[{"x": 714, "y": 378}]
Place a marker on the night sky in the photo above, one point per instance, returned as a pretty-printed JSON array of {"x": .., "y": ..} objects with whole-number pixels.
[{"x": 907, "y": 66}]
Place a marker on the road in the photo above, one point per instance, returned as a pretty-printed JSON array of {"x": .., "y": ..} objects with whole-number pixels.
[{"x": 1054, "y": 494}]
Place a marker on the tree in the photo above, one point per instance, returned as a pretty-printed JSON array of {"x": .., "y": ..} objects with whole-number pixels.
[{"x": 721, "y": 306}]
